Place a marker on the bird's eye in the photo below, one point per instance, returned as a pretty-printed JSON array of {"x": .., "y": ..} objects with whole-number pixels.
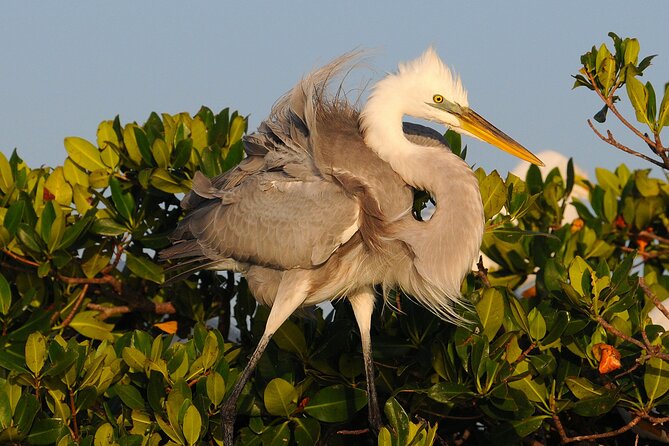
[{"x": 438, "y": 99}]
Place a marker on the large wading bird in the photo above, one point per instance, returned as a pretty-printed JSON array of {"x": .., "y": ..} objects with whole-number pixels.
[{"x": 321, "y": 206}]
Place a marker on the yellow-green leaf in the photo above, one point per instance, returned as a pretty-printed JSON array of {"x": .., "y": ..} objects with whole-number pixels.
[
  {"x": 60, "y": 188},
  {"x": 74, "y": 174},
  {"x": 35, "y": 352},
  {"x": 106, "y": 135},
  {"x": 6, "y": 176},
  {"x": 161, "y": 153},
  {"x": 5, "y": 295},
  {"x": 491, "y": 311},
  {"x": 280, "y": 397},
  {"x": 192, "y": 425},
  {"x": 87, "y": 324},
  {"x": 638, "y": 97},
  {"x": 656, "y": 378},
  {"x": 83, "y": 153},
  {"x": 130, "y": 141}
]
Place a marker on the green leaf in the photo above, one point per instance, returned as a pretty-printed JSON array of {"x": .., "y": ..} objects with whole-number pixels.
[
  {"x": 663, "y": 116},
  {"x": 291, "y": 339},
  {"x": 192, "y": 425},
  {"x": 129, "y": 395},
  {"x": 398, "y": 419},
  {"x": 656, "y": 378},
  {"x": 46, "y": 431},
  {"x": 104, "y": 435},
  {"x": 6, "y": 175},
  {"x": 280, "y": 397},
  {"x": 526, "y": 426},
  {"x": 276, "y": 435},
  {"x": 638, "y": 97},
  {"x": 631, "y": 52},
  {"x": 215, "y": 388},
  {"x": 493, "y": 193},
  {"x": 161, "y": 153},
  {"x": 336, "y": 403},
  {"x": 134, "y": 358},
  {"x": 491, "y": 311},
  {"x": 123, "y": 201},
  {"x": 5, "y": 295},
  {"x": 144, "y": 268},
  {"x": 577, "y": 270},
  {"x": 537, "y": 324},
  {"x": 35, "y": 352},
  {"x": 25, "y": 413},
  {"x": 108, "y": 227},
  {"x": 87, "y": 324},
  {"x": 161, "y": 179},
  {"x": 84, "y": 153},
  {"x": 599, "y": 405},
  {"x": 94, "y": 259},
  {"x": 307, "y": 431},
  {"x": 443, "y": 392},
  {"x": 143, "y": 145},
  {"x": 582, "y": 388}
]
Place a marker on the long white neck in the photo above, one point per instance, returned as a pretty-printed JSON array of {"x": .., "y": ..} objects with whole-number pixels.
[{"x": 447, "y": 244}]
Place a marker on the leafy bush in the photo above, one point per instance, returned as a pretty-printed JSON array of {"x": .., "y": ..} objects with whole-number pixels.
[{"x": 96, "y": 350}]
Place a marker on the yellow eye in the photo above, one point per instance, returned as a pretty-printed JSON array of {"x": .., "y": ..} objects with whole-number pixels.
[{"x": 438, "y": 99}]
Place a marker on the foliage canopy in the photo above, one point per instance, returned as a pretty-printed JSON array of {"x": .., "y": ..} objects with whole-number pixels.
[{"x": 96, "y": 351}]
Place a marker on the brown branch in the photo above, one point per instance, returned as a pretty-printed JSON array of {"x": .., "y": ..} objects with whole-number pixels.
[
  {"x": 106, "y": 312},
  {"x": 609, "y": 103},
  {"x": 653, "y": 297},
  {"x": 612, "y": 141},
  {"x": 75, "y": 307},
  {"x": 106, "y": 279},
  {"x": 482, "y": 272},
  {"x": 73, "y": 409},
  {"x": 18, "y": 258},
  {"x": 653, "y": 236},
  {"x": 653, "y": 350},
  {"x": 656, "y": 420}
]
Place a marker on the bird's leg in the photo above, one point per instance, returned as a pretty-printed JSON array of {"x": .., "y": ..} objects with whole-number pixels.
[
  {"x": 291, "y": 293},
  {"x": 363, "y": 307}
]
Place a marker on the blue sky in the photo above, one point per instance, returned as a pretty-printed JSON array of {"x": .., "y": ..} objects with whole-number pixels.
[{"x": 69, "y": 65}]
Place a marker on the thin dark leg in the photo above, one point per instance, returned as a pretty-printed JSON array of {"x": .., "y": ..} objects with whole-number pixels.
[
  {"x": 291, "y": 294},
  {"x": 363, "y": 307},
  {"x": 229, "y": 409}
]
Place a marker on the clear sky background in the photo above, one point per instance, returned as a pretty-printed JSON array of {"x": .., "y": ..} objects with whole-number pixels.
[{"x": 66, "y": 66}]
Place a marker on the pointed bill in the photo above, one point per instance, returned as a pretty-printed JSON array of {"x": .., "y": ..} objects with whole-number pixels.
[{"x": 475, "y": 125}]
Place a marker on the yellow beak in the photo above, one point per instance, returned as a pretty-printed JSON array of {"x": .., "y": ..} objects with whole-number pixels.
[{"x": 475, "y": 125}]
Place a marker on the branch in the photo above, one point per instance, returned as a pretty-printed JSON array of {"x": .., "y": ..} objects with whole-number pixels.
[
  {"x": 18, "y": 258},
  {"x": 653, "y": 297},
  {"x": 652, "y": 350},
  {"x": 609, "y": 103},
  {"x": 482, "y": 272},
  {"x": 611, "y": 140},
  {"x": 106, "y": 312},
  {"x": 107, "y": 278},
  {"x": 76, "y": 306}
]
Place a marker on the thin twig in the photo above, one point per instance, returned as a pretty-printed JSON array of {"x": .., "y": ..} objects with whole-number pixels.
[
  {"x": 106, "y": 312},
  {"x": 654, "y": 236},
  {"x": 653, "y": 297},
  {"x": 75, "y": 307},
  {"x": 482, "y": 272},
  {"x": 609, "y": 103},
  {"x": 612, "y": 141},
  {"x": 106, "y": 279},
  {"x": 18, "y": 258}
]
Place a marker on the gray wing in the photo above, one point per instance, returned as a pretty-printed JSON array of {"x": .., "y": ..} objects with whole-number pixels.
[{"x": 270, "y": 219}]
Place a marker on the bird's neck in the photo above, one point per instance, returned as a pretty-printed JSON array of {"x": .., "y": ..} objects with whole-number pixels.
[{"x": 446, "y": 245}]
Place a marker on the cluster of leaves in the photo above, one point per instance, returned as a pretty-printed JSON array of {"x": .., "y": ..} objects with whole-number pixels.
[
  {"x": 605, "y": 73},
  {"x": 564, "y": 340}
]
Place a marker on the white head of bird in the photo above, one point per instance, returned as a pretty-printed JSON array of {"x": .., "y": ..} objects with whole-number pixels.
[{"x": 426, "y": 88}]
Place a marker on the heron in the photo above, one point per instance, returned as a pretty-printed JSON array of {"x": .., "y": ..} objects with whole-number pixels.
[{"x": 320, "y": 207}]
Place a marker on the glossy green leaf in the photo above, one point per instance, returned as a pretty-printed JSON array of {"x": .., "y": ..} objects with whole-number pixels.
[
  {"x": 46, "y": 431},
  {"x": 537, "y": 324},
  {"x": 638, "y": 95},
  {"x": 6, "y": 175},
  {"x": 108, "y": 227},
  {"x": 192, "y": 425},
  {"x": 5, "y": 295},
  {"x": 25, "y": 413},
  {"x": 84, "y": 153},
  {"x": 398, "y": 419},
  {"x": 87, "y": 324},
  {"x": 278, "y": 435},
  {"x": 336, "y": 403},
  {"x": 123, "y": 201},
  {"x": 144, "y": 268},
  {"x": 291, "y": 339},
  {"x": 215, "y": 388},
  {"x": 35, "y": 352},
  {"x": 129, "y": 395},
  {"x": 526, "y": 426},
  {"x": 491, "y": 311},
  {"x": 444, "y": 392},
  {"x": 656, "y": 378},
  {"x": 493, "y": 194},
  {"x": 280, "y": 397},
  {"x": 307, "y": 431},
  {"x": 143, "y": 145}
]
